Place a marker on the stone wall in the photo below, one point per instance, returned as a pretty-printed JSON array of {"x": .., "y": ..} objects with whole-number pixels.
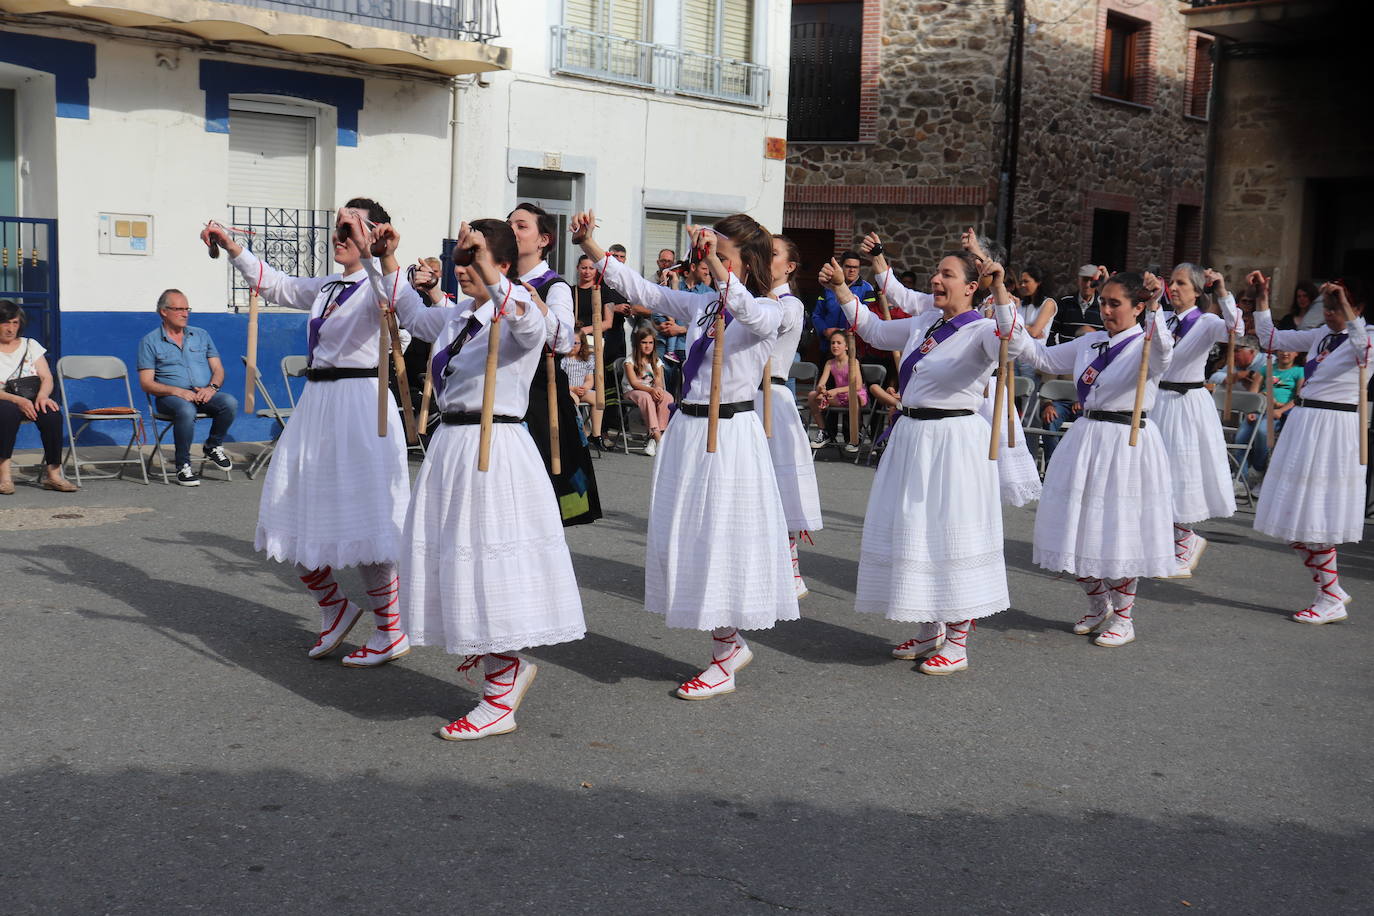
[{"x": 939, "y": 125}]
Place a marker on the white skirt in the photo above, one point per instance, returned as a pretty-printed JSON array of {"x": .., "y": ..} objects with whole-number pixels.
[
  {"x": 932, "y": 542},
  {"x": 1107, "y": 509},
  {"x": 792, "y": 462},
  {"x": 336, "y": 492},
  {"x": 487, "y": 567},
  {"x": 1017, "y": 476},
  {"x": 1314, "y": 490},
  {"x": 1191, "y": 430},
  {"x": 717, "y": 552}
]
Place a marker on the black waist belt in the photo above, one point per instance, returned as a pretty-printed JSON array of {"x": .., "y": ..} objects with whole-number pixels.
[
  {"x": 1180, "y": 387},
  {"x": 726, "y": 410},
  {"x": 331, "y": 374},
  {"x": 1325, "y": 405},
  {"x": 459, "y": 418},
  {"x": 1114, "y": 416},
  {"x": 933, "y": 413},
  {"x": 776, "y": 381}
]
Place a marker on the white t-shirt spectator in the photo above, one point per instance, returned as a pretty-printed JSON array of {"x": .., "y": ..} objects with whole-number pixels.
[{"x": 25, "y": 360}]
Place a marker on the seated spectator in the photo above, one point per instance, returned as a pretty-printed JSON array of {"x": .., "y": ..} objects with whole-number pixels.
[
  {"x": 626, "y": 309},
  {"x": 1306, "y": 311},
  {"x": 179, "y": 366},
  {"x": 832, "y": 390},
  {"x": 908, "y": 279},
  {"x": 1249, "y": 367},
  {"x": 1078, "y": 313},
  {"x": 644, "y": 373},
  {"x": 580, "y": 366},
  {"x": 827, "y": 313},
  {"x": 1287, "y": 384},
  {"x": 22, "y": 361},
  {"x": 1038, "y": 308}
]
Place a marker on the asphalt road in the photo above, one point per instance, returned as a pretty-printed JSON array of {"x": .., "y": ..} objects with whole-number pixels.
[{"x": 167, "y": 746}]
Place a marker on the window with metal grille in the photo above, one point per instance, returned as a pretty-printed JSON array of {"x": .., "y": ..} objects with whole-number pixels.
[
  {"x": 621, "y": 18},
  {"x": 1200, "y": 79},
  {"x": 720, "y": 28},
  {"x": 823, "y": 82}
]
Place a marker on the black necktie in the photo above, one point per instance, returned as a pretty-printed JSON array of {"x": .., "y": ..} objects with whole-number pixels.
[{"x": 930, "y": 332}]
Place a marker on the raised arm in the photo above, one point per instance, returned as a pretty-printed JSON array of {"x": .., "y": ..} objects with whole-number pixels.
[
  {"x": 885, "y": 335},
  {"x": 1006, "y": 318},
  {"x": 761, "y": 314},
  {"x": 273, "y": 285},
  {"x": 384, "y": 280},
  {"x": 1271, "y": 339}
]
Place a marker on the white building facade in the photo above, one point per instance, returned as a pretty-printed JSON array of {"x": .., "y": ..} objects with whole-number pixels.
[{"x": 124, "y": 126}]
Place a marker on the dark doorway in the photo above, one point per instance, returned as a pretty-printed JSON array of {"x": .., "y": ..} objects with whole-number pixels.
[
  {"x": 1187, "y": 234},
  {"x": 1342, "y": 234},
  {"x": 1111, "y": 232}
]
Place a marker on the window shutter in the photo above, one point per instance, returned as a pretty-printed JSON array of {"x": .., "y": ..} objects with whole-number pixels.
[
  {"x": 737, "y": 30},
  {"x": 661, "y": 230},
  {"x": 699, "y": 26},
  {"x": 270, "y": 160},
  {"x": 626, "y": 18}
]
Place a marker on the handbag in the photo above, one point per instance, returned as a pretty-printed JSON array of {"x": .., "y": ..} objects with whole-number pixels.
[{"x": 26, "y": 386}]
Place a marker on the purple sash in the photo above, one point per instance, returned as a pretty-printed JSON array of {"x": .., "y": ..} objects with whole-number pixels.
[
  {"x": 941, "y": 334},
  {"x": 1094, "y": 369},
  {"x": 1185, "y": 324},
  {"x": 313, "y": 334},
  {"x": 438, "y": 367},
  {"x": 699, "y": 348},
  {"x": 1329, "y": 343}
]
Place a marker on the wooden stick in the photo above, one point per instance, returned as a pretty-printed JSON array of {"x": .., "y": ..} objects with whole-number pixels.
[
  {"x": 768, "y": 399},
  {"x": 887, "y": 316},
  {"x": 402, "y": 381},
  {"x": 1141, "y": 379},
  {"x": 1269, "y": 400},
  {"x": 427, "y": 393},
  {"x": 1227, "y": 413},
  {"x": 555, "y": 457},
  {"x": 489, "y": 391},
  {"x": 1012, "y": 419},
  {"x": 1364, "y": 412},
  {"x": 383, "y": 372},
  {"x": 854, "y": 377},
  {"x": 717, "y": 367},
  {"x": 249, "y": 385},
  {"x": 999, "y": 400},
  {"x": 598, "y": 346}
]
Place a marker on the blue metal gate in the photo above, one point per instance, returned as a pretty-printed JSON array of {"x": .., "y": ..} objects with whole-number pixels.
[{"x": 28, "y": 276}]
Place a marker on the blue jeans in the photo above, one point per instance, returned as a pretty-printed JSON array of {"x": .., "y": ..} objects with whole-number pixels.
[
  {"x": 1259, "y": 452},
  {"x": 1063, "y": 412},
  {"x": 221, "y": 408}
]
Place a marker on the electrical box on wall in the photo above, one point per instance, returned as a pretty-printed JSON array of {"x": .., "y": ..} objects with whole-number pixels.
[{"x": 126, "y": 233}]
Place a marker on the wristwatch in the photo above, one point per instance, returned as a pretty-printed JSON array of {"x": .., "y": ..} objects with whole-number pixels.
[{"x": 213, "y": 385}]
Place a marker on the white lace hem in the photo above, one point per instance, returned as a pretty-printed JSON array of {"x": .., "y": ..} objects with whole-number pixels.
[
  {"x": 317, "y": 554},
  {"x": 512, "y": 643},
  {"x": 1020, "y": 494},
  {"x": 943, "y": 615},
  {"x": 714, "y": 620},
  {"x": 1099, "y": 568}
]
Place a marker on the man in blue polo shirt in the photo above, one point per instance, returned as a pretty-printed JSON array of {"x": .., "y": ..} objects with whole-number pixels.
[
  {"x": 180, "y": 367},
  {"x": 827, "y": 314}
]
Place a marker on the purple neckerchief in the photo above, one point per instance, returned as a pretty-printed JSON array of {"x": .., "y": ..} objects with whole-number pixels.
[
  {"x": 313, "y": 335},
  {"x": 1185, "y": 324},
  {"x": 933, "y": 340},
  {"x": 1094, "y": 369},
  {"x": 1329, "y": 343},
  {"x": 438, "y": 367},
  {"x": 699, "y": 346},
  {"x": 544, "y": 280}
]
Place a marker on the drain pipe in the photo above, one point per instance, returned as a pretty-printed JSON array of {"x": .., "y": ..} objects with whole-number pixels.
[{"x": 454, "y": 133}]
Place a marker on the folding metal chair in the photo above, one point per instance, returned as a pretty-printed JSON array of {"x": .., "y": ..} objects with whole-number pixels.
[
  {"x": 1242, "y": 403},
  {"x": 292, "y": 367},
  {"x": 111, "y": 368},
  {"x": 168, "y": 421},
  {"x": 623, "y": 406},
  {"x": 804, "y": 374},
  {"x": 278, "y": 416},
  {"x": 869, "y": 374},
  {"x": 1055, "y": 389}
]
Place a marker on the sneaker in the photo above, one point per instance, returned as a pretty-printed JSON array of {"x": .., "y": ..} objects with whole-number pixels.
[
  {"x": 651, "y": 448},
  {"x": 850, "y": 448},
  {"x": 219, "y": 456},
  {"x": 187, "y": 477},
  {"x": 819, "y": 439}
]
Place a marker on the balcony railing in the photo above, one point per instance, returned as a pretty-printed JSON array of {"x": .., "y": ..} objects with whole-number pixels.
[
  {"x": 465, "y": 20},
  {"x": 675, "y": 71},
  {"x": 295, "y": 242}
]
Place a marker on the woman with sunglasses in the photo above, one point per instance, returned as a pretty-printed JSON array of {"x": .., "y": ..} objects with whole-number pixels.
[
  {"x": 1314, "y": 493},
  {"x": 336, "y": 492},
  {"x": 716, "y": 551}
]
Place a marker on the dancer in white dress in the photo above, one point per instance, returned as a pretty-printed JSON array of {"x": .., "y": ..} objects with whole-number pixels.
[
  {"x": 716, "y": 556},
  {"x": 791, "y": 453},
  {"x": 1187, "y": 415},
  {"x": 487, "y": 570},
  {"x": 336, "y": 493},
  {"x": 1106, "y": 513},
  {"x": 1018, "y": 479},
  {"x": 1314, "y": 492},
  {"x": 932, "y": 541}
]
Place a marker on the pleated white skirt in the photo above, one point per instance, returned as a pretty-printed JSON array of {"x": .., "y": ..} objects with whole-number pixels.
[
  {"x": 717, "y": 552},
  {"x": 1107, "y": 508},
  {"x": 932, "y": 541},
  {"x": 487, "y": 568},
  {"x": 1314, "y": 490},
  {"x": 1017, "y": 476},
  {"x": 792, "y": 462},
  {"x": 336, "y": 492},
  {"x": 1191, "y": 430}
]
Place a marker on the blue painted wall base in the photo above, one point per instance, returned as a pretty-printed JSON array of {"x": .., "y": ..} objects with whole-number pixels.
[{"x": 118, "y": 334}]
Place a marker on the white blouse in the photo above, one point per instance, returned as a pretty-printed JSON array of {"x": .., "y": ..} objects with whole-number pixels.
[
  {"x": 789, "y": 331},
  {"x": 908, "y": 300},
  {"x": 558, "y": 323},
  {"x": 953, "y": 374},
  {"x": 749, "y": 337},
  {"x": 1115, "y": 387},
  {"x": 1338, "y": 378},
  {"x": 1189, "y": 362},
  {"x": 348, "y": 337},
  {"x": 18, "y": 360}
]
